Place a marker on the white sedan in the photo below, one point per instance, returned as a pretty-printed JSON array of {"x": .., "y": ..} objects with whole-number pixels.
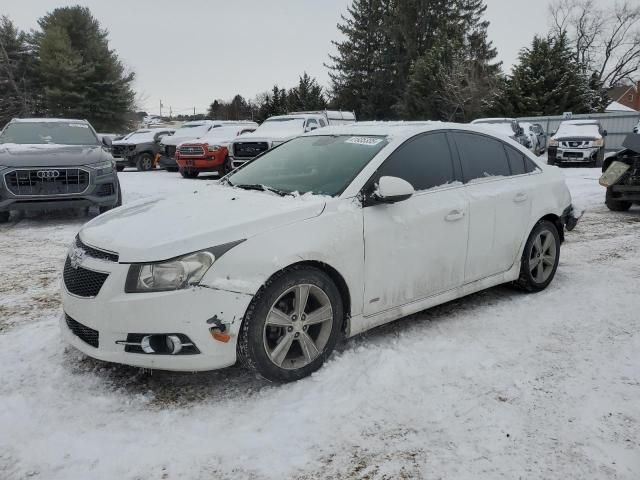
[{"x": 326, "y": 236}]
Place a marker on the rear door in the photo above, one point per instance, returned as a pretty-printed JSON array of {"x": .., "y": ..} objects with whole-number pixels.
[
  {"x": 499, "y": 204},
  {"x": 416, "y": 248}
]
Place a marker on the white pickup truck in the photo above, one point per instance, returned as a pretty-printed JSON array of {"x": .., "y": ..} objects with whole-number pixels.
[{"x": 282, "y": 128}]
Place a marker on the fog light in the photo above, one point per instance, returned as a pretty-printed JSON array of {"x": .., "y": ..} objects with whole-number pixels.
[
  {"x": 174, "y": 345},
  {"x": 145, "y": 344}
]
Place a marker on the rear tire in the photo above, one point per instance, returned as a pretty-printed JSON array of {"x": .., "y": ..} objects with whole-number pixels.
[
  {"x": 4, "y": 217},
  {"x": 144, "y": 162},
  {"x": 540, "y": 257},
  {"x": 283, "y": 342},
  {"x": 616, "y": 205}
]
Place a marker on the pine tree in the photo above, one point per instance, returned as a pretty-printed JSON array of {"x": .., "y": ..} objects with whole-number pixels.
[
  {"x": 307, "y": 95},
  {"x": 547, "y": 81},
  {"x": 82, "y": 76},
  {"x": 20, "y": 89}
]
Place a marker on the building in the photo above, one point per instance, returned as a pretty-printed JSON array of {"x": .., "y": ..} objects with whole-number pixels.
[{"x": 627, "y": 95}]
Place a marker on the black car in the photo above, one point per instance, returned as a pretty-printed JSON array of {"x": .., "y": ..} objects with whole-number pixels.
[
  {"x": 55, "y": 163},
  {"x": 139, "y": 149},
  {"x": 621, "y": 176}
]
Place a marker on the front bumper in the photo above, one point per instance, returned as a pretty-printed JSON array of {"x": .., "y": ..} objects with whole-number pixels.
[
  {"x": 570, "y": 217},
  {"x": 213, "y": 163},
  {"x": 573, "y": 155},
  {"x": 101, "y": 192},
  {"x": 192, "y": 312}
]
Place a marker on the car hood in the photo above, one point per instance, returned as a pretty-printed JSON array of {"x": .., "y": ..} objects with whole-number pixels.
[
  {"x": 14, "y": 155},
  {"x": 164, "y": 228},
  {"x": 173, "y": 140}
]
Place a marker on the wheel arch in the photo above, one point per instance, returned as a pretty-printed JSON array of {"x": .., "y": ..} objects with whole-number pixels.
[{"x": 555, "y": 219}]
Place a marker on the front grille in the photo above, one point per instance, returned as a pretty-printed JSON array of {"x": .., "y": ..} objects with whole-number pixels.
[
  {"x": 105, "y": 190},
  {"x": 119, "y": 150},
  {"x": 249, "y": 149},
  {"x": 86, "y": 334},
  {"x": 95, "y": 253},
  {"x": 191, "y": 151},
  {"x": 47, "y": 181},
  {"x": 573, "y": 155},
  {"x": 82, "y": 282},
  {"x": 170, "y": 150}
]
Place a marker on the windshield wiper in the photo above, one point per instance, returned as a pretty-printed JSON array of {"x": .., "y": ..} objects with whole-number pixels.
[{"x": 262, "y": 188}]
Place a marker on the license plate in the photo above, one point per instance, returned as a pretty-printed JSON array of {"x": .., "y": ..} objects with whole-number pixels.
[
  {"x": 613, "y": 173},
  {"x": 189, "y": 163}
]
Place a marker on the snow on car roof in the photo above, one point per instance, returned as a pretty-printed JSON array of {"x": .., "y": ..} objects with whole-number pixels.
[
  {"x": 394, "y": 129},
  {"x": 48, "y": 120},
  {"x": 581, "y": 122},
  {"x": 492, "y": 120}
]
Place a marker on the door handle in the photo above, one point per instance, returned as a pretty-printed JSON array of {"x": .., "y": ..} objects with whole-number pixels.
[
  {"x": 520, "y": 197},
  {"x": 454, "y": 215}
]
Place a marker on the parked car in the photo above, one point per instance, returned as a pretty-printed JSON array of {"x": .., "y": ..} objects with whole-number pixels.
[
  {"x": 537, "y": 136},
  {"x": 273, "y": 132},
  {"x": 139, "y": 148},
  {"x": 188, "y": 131},
  {"x": 210, "y": 153},
  {"x": 332, "y": 233},
  {"x": 621, "y": 176},
  {"x": 509, "y": 127},
  {"x": 636, "y": 129},
  {"x": 577, "y": 142},
  {"x": 49, "y": 164}
]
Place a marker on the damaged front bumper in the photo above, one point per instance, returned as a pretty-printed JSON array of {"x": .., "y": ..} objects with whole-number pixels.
[
  {"x": 570, "y": 217},
  {"x": 103, "y": 326}
]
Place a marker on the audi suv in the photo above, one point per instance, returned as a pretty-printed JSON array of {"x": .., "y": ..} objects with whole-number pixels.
[{"x": 50, "y": 164}]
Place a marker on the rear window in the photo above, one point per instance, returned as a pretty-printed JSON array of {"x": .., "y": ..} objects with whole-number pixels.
[{"x": 481, "y": 156}]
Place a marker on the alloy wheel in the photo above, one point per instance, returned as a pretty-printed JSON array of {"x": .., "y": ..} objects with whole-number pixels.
[
  {"x": 298, "y": 326},
  {"x": 543, "y": 256}
]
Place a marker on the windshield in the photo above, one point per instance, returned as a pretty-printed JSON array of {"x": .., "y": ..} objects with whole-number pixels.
[
  {"x": 220, "y": 134},
  {"x": 282, "y": 125},
  {"x": 43, "y": 133},
  {"x": 142, "y": 135},
  {"x": 323, "y": 165},
  {"x": 578, "y": 130},
  {"x": 501, "y": 128}
]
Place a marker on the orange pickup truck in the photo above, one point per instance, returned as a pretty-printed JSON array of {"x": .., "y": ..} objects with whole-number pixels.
[{"x": 210, "y": 153}]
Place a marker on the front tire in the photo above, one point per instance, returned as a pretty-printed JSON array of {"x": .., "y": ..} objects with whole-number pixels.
[
  {"x": 144, "y": 162},
  {"x": 540, "y": 257},
  {"x": 292, "y": 325},
  {"x": 188, "y": 173}
]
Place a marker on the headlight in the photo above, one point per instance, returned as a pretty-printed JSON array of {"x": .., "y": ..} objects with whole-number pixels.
[
  {"x": 104, "y": 168},
  {"x": 175, "y": 274},
  {"x": 553, "y": 143},
  {"x": 599, "y": 142},
  {"x": 214, "y": 148}
]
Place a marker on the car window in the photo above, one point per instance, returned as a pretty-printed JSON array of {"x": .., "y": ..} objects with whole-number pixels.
[
  {"x": 312, "y": 123},
  {"x": 516, "y": 161},
  {"x": 424, "y": 162},
  {"x": 481, "y": 156},
  {"x": 322, "y": 123}
]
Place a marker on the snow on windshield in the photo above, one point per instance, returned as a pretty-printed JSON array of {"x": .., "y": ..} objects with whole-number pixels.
[
  {"x": 220, "y": 134},
  {"x": 501, "y": 128},
  {"x": 577, "y": 130},
  {"x": 140, "y": 137},
  {"x": 194, "y": 131}
]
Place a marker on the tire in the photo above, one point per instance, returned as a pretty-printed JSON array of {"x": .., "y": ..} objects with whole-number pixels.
[
  {"x": 539, "y": 259},
  {"x": 616, "y": 205},
  {"x": 144, "y": 162},
  {"x": 4, "y": 217},
  {"x": 189, "y": 173},
  {"x": 119, "y": 168},
  {"x": 260, "y": 340},
  {"x": 118, "y": 202},
  {"x": 172, "y": 169},
  {"x": 226, "y": 167}
]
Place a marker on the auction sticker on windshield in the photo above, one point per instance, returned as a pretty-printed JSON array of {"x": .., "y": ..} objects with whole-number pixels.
[{"x": 370, "y": 141}]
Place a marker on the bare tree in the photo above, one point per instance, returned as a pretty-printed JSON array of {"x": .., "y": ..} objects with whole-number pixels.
[{"x": 605, "y": 41}]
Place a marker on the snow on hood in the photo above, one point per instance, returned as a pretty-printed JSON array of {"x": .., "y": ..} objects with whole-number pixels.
[
  {"x": 163, "y": 228},
  {"x": 50, "y": 155},
  {"x": 569, "y": 130}
]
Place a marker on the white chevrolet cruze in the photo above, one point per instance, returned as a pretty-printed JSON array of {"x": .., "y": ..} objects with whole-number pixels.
[{"x": 323, "y": 237}]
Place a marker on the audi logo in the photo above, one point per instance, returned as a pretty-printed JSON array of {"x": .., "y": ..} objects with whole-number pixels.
[{"x": 48, "y": 174}]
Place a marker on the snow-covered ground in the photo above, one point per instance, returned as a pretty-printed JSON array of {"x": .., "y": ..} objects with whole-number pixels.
[{"x": 498, "y": 385}]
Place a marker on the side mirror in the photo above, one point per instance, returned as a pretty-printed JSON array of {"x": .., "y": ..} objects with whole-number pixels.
[
  {"x": 311, "y": 128},
  {"x": 106, "y": 141},
  {"x": 392, "y": 190}
]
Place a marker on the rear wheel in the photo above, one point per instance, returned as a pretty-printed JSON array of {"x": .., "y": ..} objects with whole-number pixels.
[
  {"x": 616, "y": 205},
  {"x": 540, "y": 257},
  {"x": 292, "y": 325},
  {"x": 144, "y": 162},
  {"x": 4, "y": 217},
  {"x": 226, "y": 166}
]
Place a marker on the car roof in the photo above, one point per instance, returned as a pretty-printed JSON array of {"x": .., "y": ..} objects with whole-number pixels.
[
  {"x": 48, "y": 120},
  {"x": 496, "y": 119},
  {"x": 296, "y": 116},
  {"x": 581, "y": 122},
  {"x": 399, "y": 130}
]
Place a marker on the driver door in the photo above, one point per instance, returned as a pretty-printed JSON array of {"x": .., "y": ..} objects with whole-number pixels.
[{"x": 416, "y": 248}]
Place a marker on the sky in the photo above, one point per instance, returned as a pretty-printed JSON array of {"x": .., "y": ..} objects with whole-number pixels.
[{"x": 189, "y": 52}]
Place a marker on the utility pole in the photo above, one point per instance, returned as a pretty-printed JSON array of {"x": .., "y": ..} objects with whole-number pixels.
[
  {"x": 194, "y": 111},
  {"x": 160, "y": 108},
  {"x": 170, "y": 111}
]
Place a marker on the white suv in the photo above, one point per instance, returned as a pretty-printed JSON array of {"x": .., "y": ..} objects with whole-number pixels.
[{"x": 333, "y": 233}]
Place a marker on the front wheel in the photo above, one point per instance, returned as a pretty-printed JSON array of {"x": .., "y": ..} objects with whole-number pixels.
[
  {"x": 540, "y": 257},
  {"x": 292, "y": 325},
  {"x": 189, "y": 173},
  {"x": 144, "y": 162}
]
